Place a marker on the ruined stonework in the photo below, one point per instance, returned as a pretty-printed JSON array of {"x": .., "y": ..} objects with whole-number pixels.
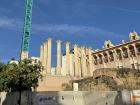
[{"x": 80, "y": 62}]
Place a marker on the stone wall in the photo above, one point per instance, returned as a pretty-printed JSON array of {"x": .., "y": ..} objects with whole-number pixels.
[
  {"x": 70, "y": 98},
  {"x": 53, "y": 83}
]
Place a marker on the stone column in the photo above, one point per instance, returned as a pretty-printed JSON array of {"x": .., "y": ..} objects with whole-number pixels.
[
  {"x": 128, "y": 52},
  {"x": 84, "y": 66},
  {"x": 131, "y": 58},
  {"x": 135, "y": 60},
  {"x": 90, "y": 62},
  {"x": 76, "y": 72},
  {"x": 122, "y": 54},
  {"x": 67, "y": 58},
  {"x": 116, "y": 59},
  {"x": 108, "y": 56},
  {"x": 45, "y": 46},
  {"x": 135, "y": 50},
  {"x": 103, "y": 58},
  {"x": 41, "y": 54},
  {"x": 80, "y": 64},
  {"x": 98, "y": 59},
  {"x": 58, "y": 69},
  {"x": 121, "y": 61},
  {"x": 49, "y": 55},
  {"x": 115, "y": 55}
]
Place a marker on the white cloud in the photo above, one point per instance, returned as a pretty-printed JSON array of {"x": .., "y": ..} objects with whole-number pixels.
[
  {"x": 56, "y": 28},
  {"x": 6, "y": 22},
  {"x": 71, "y": 29},
  {"x": 127, "y": 10},
  {"x": 9, "y": 23}
]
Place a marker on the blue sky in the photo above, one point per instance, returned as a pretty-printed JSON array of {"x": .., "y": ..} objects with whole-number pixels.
[{"x": 85, "y": 22}]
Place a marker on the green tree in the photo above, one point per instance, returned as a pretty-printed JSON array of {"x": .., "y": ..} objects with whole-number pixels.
[
  {"x": 1, "y": 66},
  {"x": 2, "y": 77},
  {"x": 21, "y": 76}
]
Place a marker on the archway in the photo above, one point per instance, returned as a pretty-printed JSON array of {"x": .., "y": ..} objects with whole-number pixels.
[{"x": 109, "y": 73}]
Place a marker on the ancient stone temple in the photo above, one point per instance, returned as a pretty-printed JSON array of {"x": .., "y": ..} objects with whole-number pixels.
[{"x": 80, "y": 61}]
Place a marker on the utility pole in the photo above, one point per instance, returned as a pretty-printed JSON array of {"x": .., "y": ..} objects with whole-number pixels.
[{"x": 26, "y": 30}]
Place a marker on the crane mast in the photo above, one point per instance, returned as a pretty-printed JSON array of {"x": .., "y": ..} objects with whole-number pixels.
[{"x": 26, "y": 30}]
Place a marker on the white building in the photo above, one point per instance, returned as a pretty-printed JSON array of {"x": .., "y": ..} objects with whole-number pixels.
[{"x": 35, "y": 60}]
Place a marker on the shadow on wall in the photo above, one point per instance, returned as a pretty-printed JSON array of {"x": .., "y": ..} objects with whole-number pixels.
[
  {"x": 123, "y": 98},
  {"x": 58, "y": 98},
  {"x": 27, "y": 98},
  {"x": 13, "y": 98},
  {"x": 68, "y": 98},
  {"x": 10, "y": 98},
  {"x": 118, "y": 99},
  {"x": 43, "y": 98},
  {"x": 46, "y": 98}
]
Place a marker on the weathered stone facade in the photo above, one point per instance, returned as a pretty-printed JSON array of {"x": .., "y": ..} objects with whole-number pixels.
[{"x": 81, "y": 62}]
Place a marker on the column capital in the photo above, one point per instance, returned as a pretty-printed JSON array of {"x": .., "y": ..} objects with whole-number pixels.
[
  {"x": 127, "y": 46},
  {"x": 102, "y": 54},
  {"x": 107, "y": 52},
  {"x": 120, "y": 49},
  {"x": 41, "y": 45},
  {"x": 111, "y": 51},
  {"x": 67, "y": 43},
  {"x": 95, "y": 55},
  {"x": 75, "y": 45},
  {"x": 114, "y": 50},
  {"x": 58, "y": 41},
  {"x": 49, "y": 39},
  {"x": 82, "y": 47},
  {"x": 133, "y": 44},
  {"x": 45, "y": 43}
]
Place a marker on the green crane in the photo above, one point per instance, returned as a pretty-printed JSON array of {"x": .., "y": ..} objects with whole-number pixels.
[{"x": 26, "y": 30}]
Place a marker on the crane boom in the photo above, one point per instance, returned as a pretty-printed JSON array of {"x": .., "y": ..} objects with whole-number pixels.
[{"x": 26, "y": 30}]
